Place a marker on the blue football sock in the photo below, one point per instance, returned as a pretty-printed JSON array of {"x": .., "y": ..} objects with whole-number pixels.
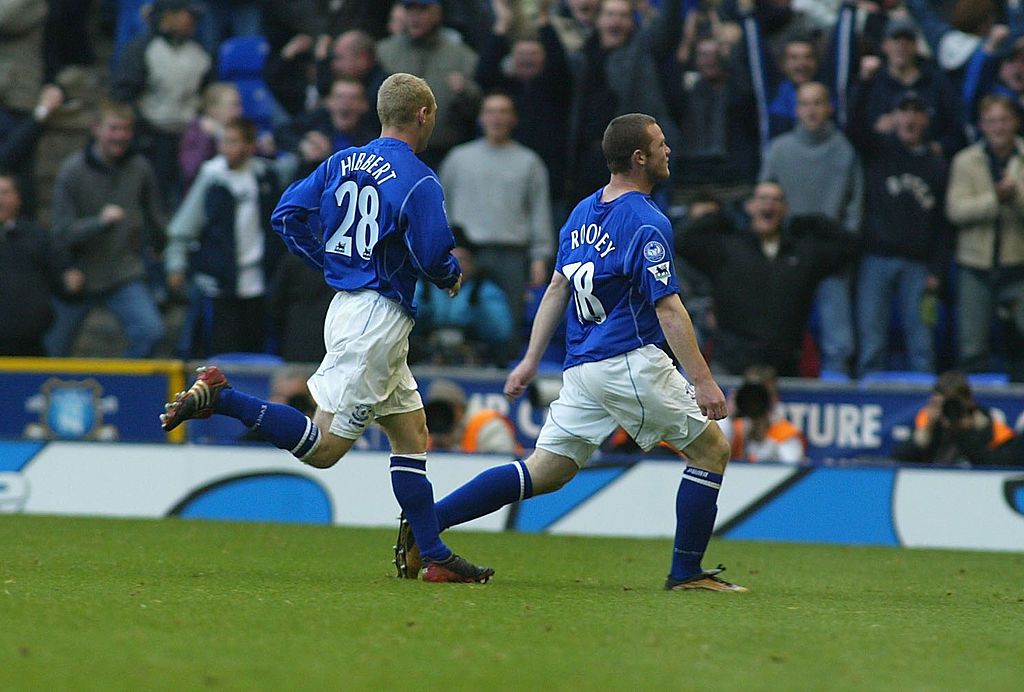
[
  {"x": 285, "y": 427},
  {"x": 696, "y": 507},
  {"x": 415, "y": 496},
  {"x": 488, "y": 492}
]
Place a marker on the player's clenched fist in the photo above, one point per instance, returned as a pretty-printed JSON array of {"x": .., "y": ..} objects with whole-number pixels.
[{"x": 519, "y": 379}]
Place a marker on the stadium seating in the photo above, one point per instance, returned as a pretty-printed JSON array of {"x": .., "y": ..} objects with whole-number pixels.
[{"x": 241, "y": 61}]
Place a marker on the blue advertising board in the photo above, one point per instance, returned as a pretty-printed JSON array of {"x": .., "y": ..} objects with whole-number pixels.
[
  {"x": 67, "y": 399},
  {"x": 87, "y": 399}
]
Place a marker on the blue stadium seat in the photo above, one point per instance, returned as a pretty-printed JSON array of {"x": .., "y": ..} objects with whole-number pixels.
[
  {"x": 898, "y": 377},
  {"x": 241, "y": 61},
  {"x": 242, "y": 57}
]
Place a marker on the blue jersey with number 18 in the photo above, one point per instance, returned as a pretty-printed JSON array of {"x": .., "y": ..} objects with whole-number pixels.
[
  {"x": 371, "y": 217},
  {"x": 617, "y": 257}
]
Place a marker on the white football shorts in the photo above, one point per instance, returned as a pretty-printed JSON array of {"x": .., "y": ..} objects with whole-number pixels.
[
  {"x": 364, "y": 374},
  {"x": 640, "y": 390}
]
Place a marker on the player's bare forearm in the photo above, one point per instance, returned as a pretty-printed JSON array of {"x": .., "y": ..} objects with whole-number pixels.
[
  {"x": 549, "y": 315},
  {"x": 675, "y": 323}
]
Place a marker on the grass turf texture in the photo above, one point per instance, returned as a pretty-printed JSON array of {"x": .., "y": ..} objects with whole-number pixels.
[{"x": 111, "y": 604}]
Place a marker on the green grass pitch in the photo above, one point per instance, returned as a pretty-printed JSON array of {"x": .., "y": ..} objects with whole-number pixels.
[{"x": 93, "y": 604}]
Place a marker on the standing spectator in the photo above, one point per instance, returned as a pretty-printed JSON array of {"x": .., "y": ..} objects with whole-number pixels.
[
  {"x": 221, "y": 235},
  {"x": 763, "y": 279},
  {"x": 986, "y": 203},
  {"x": 818, "y": 169},
  {"x": 221, "y": 104},
  {"x": 777, "y": 76},
  {"x": 904, "y": 70},
  {"x": 107, "y": 212},
  {"x": 714, "y": 106},
  {"x": 536, "y": 78},
  {"x": 162, "y": 73},
  {"x": 337, "y": 125},
  {"x": 497, "y": 190},
  {"x": 424, "y": 50},
  {"x": 989, "y": 72},
  {"x": 576, "y": 24},
  {"x": 615, "y": 72},
  {"x": 354, "y": 56},
  {"x": 291, "y": 30},
  {"x": 472, "y": 328},
  {"x": 21, "y": 54},
  {"x": 19, "y": 136},
  {"x": 32, "y": 269},
  {"x": 906, "y": 235}
]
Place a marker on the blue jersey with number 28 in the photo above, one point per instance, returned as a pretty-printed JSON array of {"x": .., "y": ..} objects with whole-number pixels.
[
  {"x": 617, "y": 257},
  {"x": 371, "y": 217}
]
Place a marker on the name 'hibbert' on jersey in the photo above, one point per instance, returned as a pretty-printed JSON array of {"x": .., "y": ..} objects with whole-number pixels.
[
  {"x": 374, "y": 164},
  {"x": 592, "y": 234}
]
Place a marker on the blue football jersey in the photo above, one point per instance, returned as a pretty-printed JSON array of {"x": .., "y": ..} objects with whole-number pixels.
[
  {"x": 617, "y": 257},
  {"x": 371, "y": 217}
]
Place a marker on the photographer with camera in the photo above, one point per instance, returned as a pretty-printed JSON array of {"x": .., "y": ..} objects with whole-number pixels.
[
  {"x": 953, "y": 429},
  {"x": 756, "y": 429}
]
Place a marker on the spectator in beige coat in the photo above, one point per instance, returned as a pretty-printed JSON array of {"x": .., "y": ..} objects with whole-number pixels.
[{"x": 985, "y": 202}]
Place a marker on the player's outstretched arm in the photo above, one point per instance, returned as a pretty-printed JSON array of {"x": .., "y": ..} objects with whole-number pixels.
[
  {"x": 675, "y": 322},
  {"x": 549, "y": 315}
]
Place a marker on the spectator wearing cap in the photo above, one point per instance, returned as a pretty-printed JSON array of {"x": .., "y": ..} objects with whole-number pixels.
[
  {"x": 818, "y": 168},
  {"x": 497, "y": 190},
  {"x": 448, "y": 65},
  {"x": 882, "y": 81},
  {"x": 985, "y": 202},
  {"x": 907, "y": 239},
  {"x": 162, "y": 74},
  {"x": 455, "y": 428},
  {"x": 473, "y": 328}
]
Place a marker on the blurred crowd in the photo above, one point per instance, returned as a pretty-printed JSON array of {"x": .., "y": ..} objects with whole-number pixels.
[{"x": 847, "y": 177}]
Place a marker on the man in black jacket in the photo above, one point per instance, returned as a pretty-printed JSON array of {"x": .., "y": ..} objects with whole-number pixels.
[
  {"x": 763, "y": 278},
  {"x": 538, "y": 82},
  {"x": 32, "y": 269}
]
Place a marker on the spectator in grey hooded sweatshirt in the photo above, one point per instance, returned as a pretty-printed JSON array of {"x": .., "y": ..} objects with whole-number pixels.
[{"x": 819, "y": 171}]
